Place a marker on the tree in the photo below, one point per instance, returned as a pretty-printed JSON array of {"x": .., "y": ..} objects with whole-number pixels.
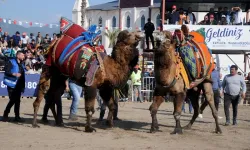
[
  {"x": 83, "y": 11},
  {"x": 112, "y": 35}
]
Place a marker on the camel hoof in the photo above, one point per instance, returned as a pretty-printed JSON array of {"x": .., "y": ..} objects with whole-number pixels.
[
  {"x": 89, "y": 129},
  {"x": 109, "y": 124},
  {"x": 154, "y": 129},
  {"x": 60, "y": 124},
  {"x": 35, "y": 126},
  {"x": 177, "y": 131},
  {"x": 218, "y": 131},
  {"x": 187, "y": 127}
]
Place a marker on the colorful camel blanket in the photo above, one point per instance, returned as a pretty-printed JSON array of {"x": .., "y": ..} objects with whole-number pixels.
[
  {"x": 197, "y": 61},
  {"x": 75, "y": 53}
]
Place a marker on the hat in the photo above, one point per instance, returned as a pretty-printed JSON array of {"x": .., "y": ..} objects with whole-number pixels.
[
  {"x": 17, "y": 32},
  {"x": 136, "y": 67},
  {"x": 223, "y": 16},
  {"x": 174, "y": 6}
]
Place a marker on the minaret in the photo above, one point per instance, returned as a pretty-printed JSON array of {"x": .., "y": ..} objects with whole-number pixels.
[{"x": 79, "y": 12}]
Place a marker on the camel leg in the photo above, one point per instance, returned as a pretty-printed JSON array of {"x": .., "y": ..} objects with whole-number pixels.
[
  {"x": 106, "y": 94},
  {"x": 90, "y": 95},
  {"x": 210, "y": 100},
  {"x": 157, "y": 100},
  {"x": 178, "y": 102},
  {"x": 44, "y": 85},
  {"x": 203, "y": 106},
  {"x": 194, "y": 98}
]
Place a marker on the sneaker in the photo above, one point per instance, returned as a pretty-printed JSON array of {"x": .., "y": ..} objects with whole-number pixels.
[
  {"x": 235, "y": 123},
  {"x": 73, "y": 117},
  {"x": 18, "y": 119},
  {"x": 200, "y": 116},
  {"x": 227, "y": 123}
]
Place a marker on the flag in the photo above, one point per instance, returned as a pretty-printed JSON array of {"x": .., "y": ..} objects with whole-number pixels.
[
  {"x": 4, "y": 20},
  {"x": 30, "y": 23},
  {"x": 14, "y": 22},
  {"x": 20, "y": 23},
  {"x": 51, "y": 25},
  {"x": 9, "y": 21},
  {"x": 1, "y": 19}
]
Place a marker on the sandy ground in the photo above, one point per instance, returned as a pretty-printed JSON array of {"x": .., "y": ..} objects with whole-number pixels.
[{"x": 131, "y": 133}]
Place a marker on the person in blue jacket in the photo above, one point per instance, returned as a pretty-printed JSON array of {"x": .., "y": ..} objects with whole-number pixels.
[{"x": 14, "y": 78}]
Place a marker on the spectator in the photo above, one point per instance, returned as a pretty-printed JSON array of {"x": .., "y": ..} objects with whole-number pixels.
[
  {"x": 15, "y": 80},
  {"x": 136, "y": 81},
  {"x": 211, "y": 20},
  {"x": 3, "y": 44},
  {"x": 28, "y": 58},
  {"x": 24, "y": 40},
  {"x": 227, "y": 14},
  {"x": 190, "y": 16},
  {"x": 187, "y": 100},
  {"x": 1, "y": 32},
  {"x": 48, "y": 39},
  {"x": 16, "y": 48},
  {"x": 17, "y": 39},
  {"x": 173, "y": 16},
  {"x": 205, "y": 21},
  {"x": 237, "y": 15},
  {"x": 6, "y": 37},
  {"x": 223, "y": 20},
  {"x": 32, "y": 37},
  {"x": 11, "y": 43},
  {"x": 219, "y": 14},
  {"x": 149, "y": 29},
  {"x": 211, "y": 12},
  {"x": 216, "y": 88},
  {"x": 54, "y": 37},
  {"x": 182, "y": 17},
  {"x": 248, "y": 17},
  {"x": 39, "y": 38},
  {"x": 248, "y": 76},
  {"x": 32, "y": 45},
  {"x": 231, "y": 86}
]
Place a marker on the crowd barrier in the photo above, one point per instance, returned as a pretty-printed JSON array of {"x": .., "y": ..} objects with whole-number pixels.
[{"x": 31, "y": 81}]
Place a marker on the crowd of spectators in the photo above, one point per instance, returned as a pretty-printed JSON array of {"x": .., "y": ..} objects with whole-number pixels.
[
  {"x": 33, "y": 47},
  {"x": 224, "y": 16}
]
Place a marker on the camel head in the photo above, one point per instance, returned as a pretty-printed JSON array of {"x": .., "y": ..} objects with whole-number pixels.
[
  {"x": 125, "y": 50},
  {"x": 164, "y": 40}
]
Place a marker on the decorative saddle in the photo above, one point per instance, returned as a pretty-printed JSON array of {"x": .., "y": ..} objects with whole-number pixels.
[
  {"x": 196, "y": 62},
  {"x": 77, "y": 53}
]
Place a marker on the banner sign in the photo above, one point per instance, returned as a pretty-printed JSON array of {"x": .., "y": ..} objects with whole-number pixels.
[
  {"x": 221, "y": 37},
  {"x": 31, "y": 81}
]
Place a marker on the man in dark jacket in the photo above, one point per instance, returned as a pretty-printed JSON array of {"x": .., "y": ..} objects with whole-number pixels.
[
  {"x": 17, "y": 39},
  {"x": 14, "y": 78},
  {"x": 149, "y": 29}
]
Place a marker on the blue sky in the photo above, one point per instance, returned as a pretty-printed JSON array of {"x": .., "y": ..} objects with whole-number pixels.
[{"x": 43, "y": 11}]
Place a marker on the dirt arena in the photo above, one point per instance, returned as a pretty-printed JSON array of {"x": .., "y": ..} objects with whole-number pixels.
[{"x": 131, "y": 133}]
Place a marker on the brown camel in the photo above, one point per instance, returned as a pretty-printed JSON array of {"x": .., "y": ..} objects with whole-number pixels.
[
  {"x": 166, "y": 82},
  {"x": 116, "y": 70}
]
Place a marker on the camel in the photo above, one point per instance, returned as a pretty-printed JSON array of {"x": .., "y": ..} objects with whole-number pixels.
[
  {"x": 169, "y": 80},
  {"x": 114, "y": 71}
]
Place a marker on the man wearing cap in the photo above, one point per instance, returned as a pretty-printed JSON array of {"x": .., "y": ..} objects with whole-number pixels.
[
  {"x": 17, "y": 39},
  {"x": 24, "y": 40},
  {"x": 174, "y": 15},
  {"x": 14, "y": 78},
  {"x": 223, "y": 20},
  {"x": 136, "y": 81}
]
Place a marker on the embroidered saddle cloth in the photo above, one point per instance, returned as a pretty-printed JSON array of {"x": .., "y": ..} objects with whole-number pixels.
[{"x": 75, "y": 53}]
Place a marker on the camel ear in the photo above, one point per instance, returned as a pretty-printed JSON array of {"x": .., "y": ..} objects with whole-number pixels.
[{"x": 122, "y": 36}]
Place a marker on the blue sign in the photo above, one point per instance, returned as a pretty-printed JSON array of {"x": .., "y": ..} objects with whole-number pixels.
[{"x": 31, "y": 81}]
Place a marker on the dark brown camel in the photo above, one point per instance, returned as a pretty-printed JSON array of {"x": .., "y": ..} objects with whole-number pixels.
[
  {"x": 165, "y": 72},
  {"x": 117, "y": 67}
]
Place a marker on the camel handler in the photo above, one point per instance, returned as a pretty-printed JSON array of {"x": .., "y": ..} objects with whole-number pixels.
[
  {"x": 231, "y": 85},
  {"x": 149, "y": 29},
  {"x": 14, "y": 78}
]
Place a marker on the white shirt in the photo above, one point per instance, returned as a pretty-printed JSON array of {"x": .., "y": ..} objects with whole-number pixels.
[
  {"x": 25, "y": 39},
  {"x": 238, "y": 17}
]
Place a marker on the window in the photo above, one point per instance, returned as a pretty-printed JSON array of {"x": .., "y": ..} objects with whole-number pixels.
[
  {"x": 128, "y": 22},
  {"x": 142, "y": 22},
  {"x": 100, "y": 22},
  {"x": 114, "y": 22},
  {"x": 158, "y": 21}
]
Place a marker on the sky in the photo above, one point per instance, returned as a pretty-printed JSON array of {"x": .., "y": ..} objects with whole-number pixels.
[{"x": 42, "y": 11}]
